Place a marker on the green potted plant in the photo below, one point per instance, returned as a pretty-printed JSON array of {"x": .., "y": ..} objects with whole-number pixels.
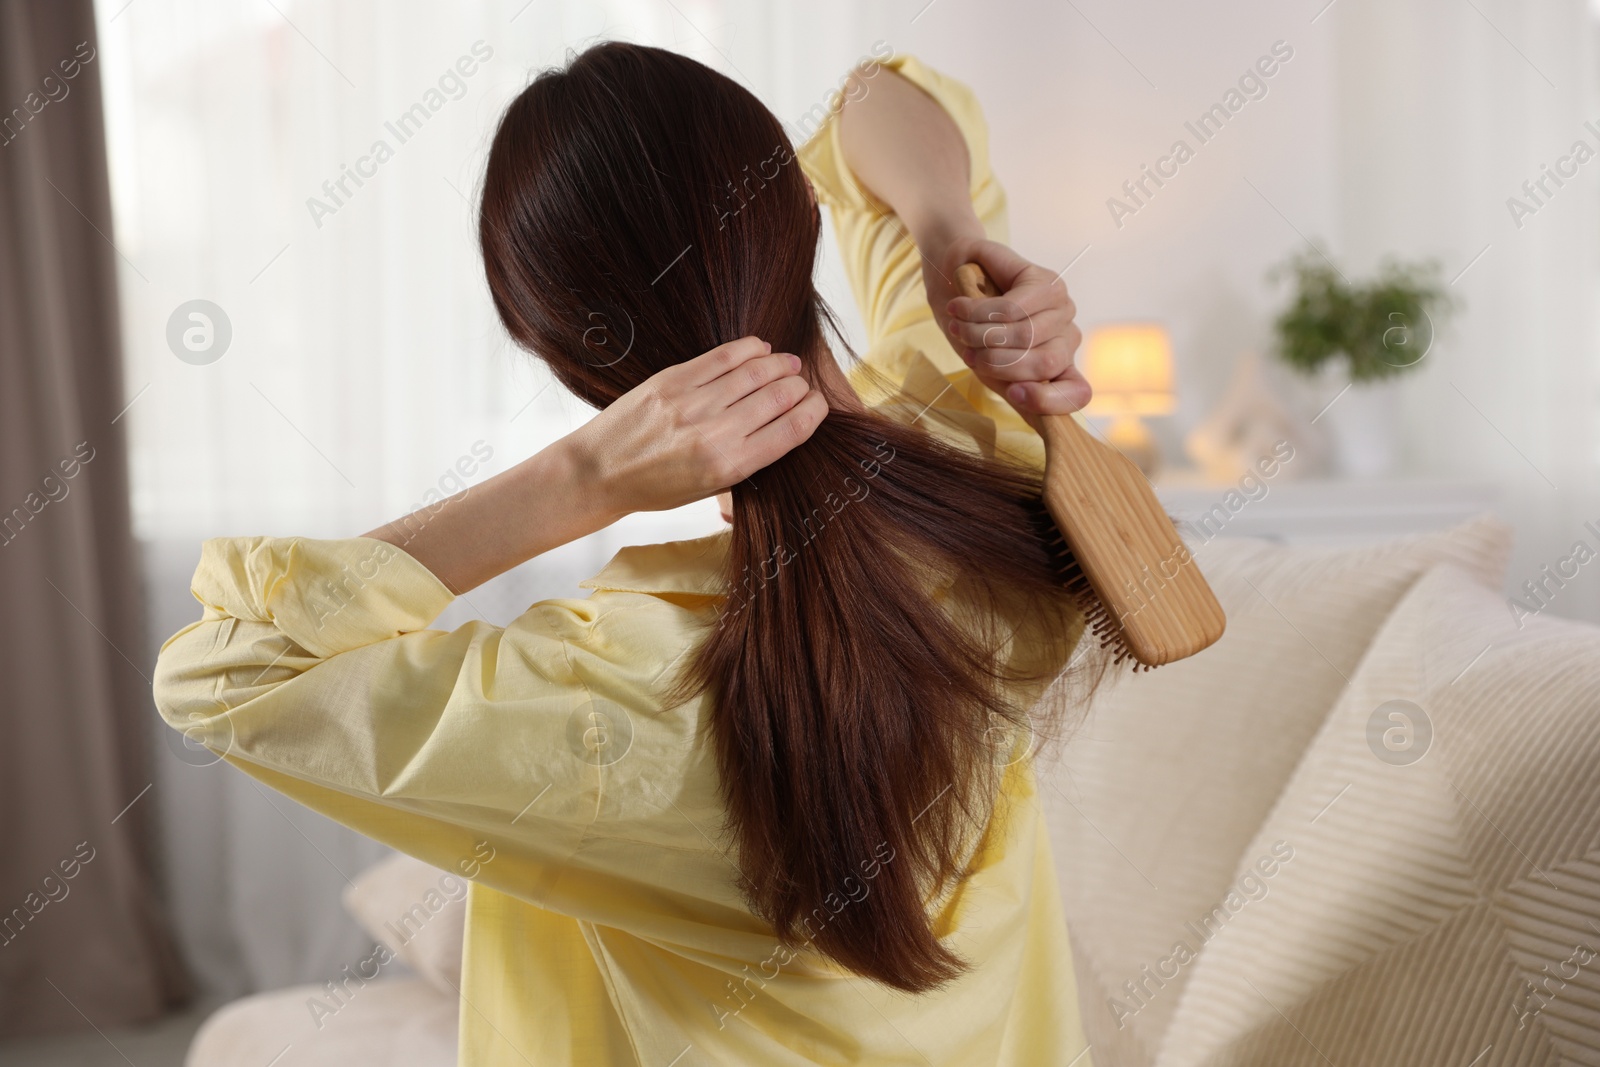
[{"x": 1353, "y": 336}]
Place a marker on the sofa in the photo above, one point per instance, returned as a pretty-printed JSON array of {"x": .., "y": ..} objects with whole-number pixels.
[{"x": 1363, "y": 828}]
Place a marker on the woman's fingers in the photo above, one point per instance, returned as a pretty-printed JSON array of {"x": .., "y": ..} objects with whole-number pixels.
[
  {"x": 1028, "y": 288},
  {"x": 1028, "y": 333},
  {"x": 759, "y": 406},
  {"x": 701, "y": 425},
  {"x": 788, "y": 431},
  {"x": 753, "y": 411},
  {"x": 1061, "y": 397},
  {"x": 1000, "y": 262},
  {"x": 751, "y": 375},
  {"x": 1043, "y": 363},
  {"x": 722, "y": 359},
  {"x": 1033, "y": 297}
]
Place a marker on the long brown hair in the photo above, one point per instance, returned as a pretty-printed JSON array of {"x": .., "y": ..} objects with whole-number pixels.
[{"x": 640, "y": 209}]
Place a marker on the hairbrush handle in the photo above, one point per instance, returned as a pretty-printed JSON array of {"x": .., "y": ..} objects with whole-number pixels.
[{"x": 1149, "y": 599}]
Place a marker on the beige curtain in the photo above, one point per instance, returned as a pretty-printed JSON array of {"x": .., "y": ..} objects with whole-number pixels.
[{"x": 82, "y": 938}]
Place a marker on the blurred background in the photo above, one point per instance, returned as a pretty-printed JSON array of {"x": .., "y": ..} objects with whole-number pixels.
[{"x": 227, "y": 312}]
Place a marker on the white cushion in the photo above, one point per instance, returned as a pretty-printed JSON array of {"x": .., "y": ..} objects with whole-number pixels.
[
  {"x": 417, "y": 912},
  {"x": 386, "y": 1023},
  {"x": 1435, "y": 882},
  {"x": 1153, "y": 805}
]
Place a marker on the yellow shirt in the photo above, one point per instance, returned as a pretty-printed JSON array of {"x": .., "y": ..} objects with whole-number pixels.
[{"x": 603, "y": 924}]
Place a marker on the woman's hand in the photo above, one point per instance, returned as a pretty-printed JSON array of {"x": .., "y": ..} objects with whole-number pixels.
[
  {"x": 1020, "y": 344},
  {"x": 698, "y": 427},
  {"x": 682, "y": 435}
]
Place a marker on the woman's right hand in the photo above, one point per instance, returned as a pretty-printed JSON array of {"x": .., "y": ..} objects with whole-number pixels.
[
  {"x": 697, "y": 428},
  {"x": 1020, "y": 344}
]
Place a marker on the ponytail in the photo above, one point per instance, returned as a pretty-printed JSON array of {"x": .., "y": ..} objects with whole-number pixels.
[{"x": 854, "y": 719}]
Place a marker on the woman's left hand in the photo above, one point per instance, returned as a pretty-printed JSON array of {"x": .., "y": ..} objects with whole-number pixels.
[
  {"x": 677, "y": 437},
  {"x": 1020, "y": 344},
  {"x": 698, "y": 427}
]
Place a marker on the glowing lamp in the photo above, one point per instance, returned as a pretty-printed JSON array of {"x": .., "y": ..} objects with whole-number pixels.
[{"x": 1130, "y": 367}]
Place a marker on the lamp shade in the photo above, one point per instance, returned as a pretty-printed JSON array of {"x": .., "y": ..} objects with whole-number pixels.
[{"x": 1130, "y": 367}]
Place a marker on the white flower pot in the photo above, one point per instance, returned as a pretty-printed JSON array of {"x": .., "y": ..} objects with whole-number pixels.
[{"x": 1363, "y": 427}]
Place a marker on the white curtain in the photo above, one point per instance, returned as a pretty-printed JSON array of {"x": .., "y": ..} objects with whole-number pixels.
[{"x": 1446, "y": 109}]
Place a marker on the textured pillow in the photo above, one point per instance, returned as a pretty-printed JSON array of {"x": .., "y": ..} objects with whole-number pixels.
[
  {"x": 1153, "y": 804},
  {"x": 417, "y": 912},
  {"x": 1442, "y": 906},
  {"x": 403, "y": 1023}
]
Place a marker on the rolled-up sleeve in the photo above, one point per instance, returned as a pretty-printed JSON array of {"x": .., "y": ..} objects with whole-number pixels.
[
  {"x": 907, "y": 354},
  {"x": 311, "y": 670},
  {"x": 882, "y": 262}
]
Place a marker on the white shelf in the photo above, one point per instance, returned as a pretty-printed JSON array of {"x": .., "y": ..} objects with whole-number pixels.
[{"x": 1329, "y": 512}]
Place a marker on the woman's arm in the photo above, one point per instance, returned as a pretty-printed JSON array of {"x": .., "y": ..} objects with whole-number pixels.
[
  {"x": 540, "y": 504},
  {"x": 311, "y": 667},
  {"x": 908, "y": 152},
  {"x": 684, "y": 434}
]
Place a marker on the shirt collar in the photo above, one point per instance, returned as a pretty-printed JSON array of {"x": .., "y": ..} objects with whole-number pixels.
[{"x": 694, "y": 567}]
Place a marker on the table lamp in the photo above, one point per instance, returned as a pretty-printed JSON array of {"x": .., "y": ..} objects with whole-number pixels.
[{"x": 1129, "y": 364}]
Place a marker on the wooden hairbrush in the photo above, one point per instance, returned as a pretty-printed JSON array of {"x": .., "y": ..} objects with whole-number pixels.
[{"x": 1140, "y": 590}]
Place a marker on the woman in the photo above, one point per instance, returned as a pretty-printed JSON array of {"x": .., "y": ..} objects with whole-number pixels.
[{"x": 763, "y": 798}]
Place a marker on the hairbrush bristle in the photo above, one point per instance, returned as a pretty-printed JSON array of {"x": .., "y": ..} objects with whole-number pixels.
[{"x": 1096, "y": 619}]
